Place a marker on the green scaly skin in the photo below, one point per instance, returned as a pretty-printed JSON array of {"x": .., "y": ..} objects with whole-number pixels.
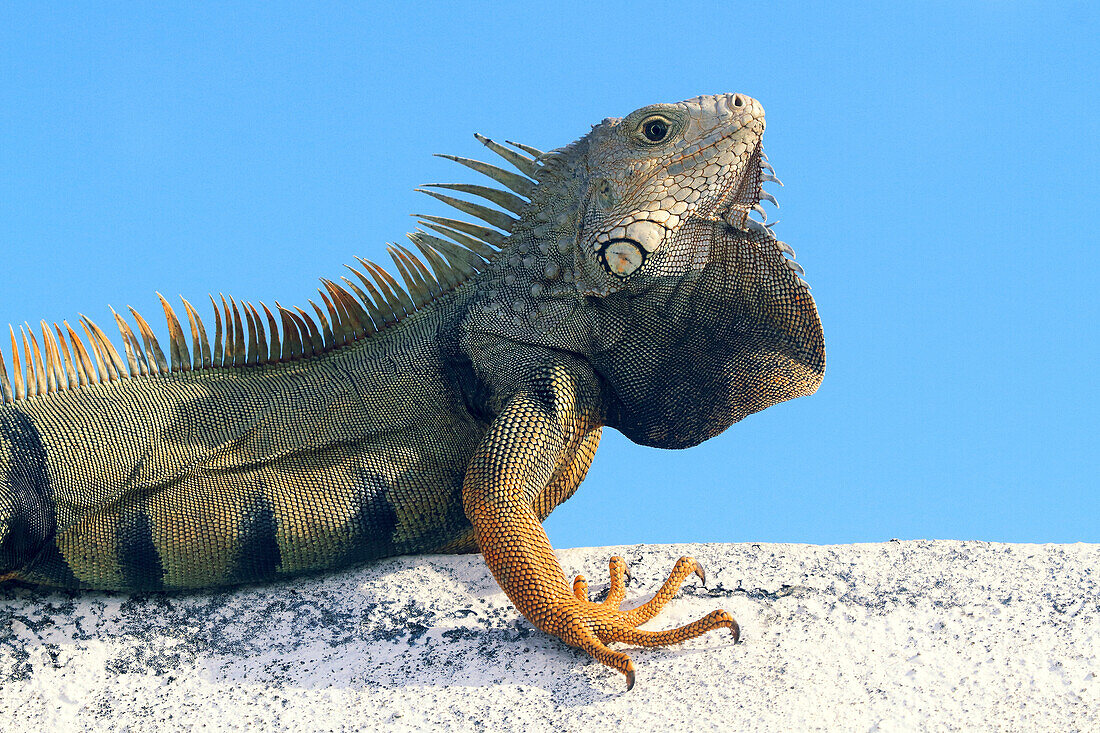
[{"x": 631, "y": 290}]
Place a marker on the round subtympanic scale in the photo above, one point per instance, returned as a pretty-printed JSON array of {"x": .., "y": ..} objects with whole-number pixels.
[{"x": 623, "y": 257}]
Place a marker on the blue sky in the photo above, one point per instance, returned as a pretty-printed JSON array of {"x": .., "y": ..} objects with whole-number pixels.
[{"x": 941, "y": 167}]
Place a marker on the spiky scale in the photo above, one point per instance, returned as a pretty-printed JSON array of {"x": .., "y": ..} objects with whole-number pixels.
[
  {"x": 358, "y": 320},
  {"x": 292, "y": 341},
  {"x": 177, "y": 346},
  {"x": 229, "y": 357},
  {"x": 375, "y": 304},
  {"x": 128, "y": 344},
  {"x": 464, "y": 260},
  {"x": 262, "y": 350},
  {"x": 20, "y": 391},
  {"x": 152, "y": 347},
  {"x": 479, "y": 239},
  {"x": 309, "y": 344},
  {"x": 70, "y": 367},
  {"x": 198, "y": 337},
  {"x": 445, "y": 275},
  {"x": 523, "y": 164},
  {"x": 403, "y": 255},
  {"x": 240, "y": 353},
  {"x": 41, "y": 386},
  {"x": 53, "y": 376},
  {"x": 97, "y": 354},
  {"x": 387, "y": 302},
  {"x": 28, "y": 358},
  {"x": 496, "y": 218},
  {"x": 340, "y": 327},
  {"x": 315, "y": 338},
  {"x": 412, "y": 286},
  {"x": 326, "y": 331},
  {"x": 115, "y": 368},
  {"x": 252, "y": 354},
  {"x": 430, "y": 283},
  {"x": 303, "y": 332},
  {"x": 217, "y": 352},
  {"x": 338, "y": 336},
  {"x": 304, "y": 349},
  {"x": 339, "y": 304},
  {"x": 396, "y": 297},
  {"x": 5, "y": 385},
  {"x": 84, "y": 362},
  {"x": 275, "y": 347},
  {"x": 519, "y": 184},
  {"x": 503, "y": 199},
  {"x": 28, "y": 361},
  {"x": 386, "y": 280},
  {"x": 532, "y": 151},
  {"x": 71, "y": 360}
]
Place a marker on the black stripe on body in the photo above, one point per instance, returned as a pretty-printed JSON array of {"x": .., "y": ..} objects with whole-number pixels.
[
  {"x": 258, "y": 554},
  {"x": 138, "y": 559},
  {"x": 27, "y": 507},
  {"x": 50, "y": 568},
  {"x": 374, "y": 523}
]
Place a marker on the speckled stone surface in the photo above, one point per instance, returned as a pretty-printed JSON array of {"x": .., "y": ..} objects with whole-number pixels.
[{"x": 900, "y": 636}]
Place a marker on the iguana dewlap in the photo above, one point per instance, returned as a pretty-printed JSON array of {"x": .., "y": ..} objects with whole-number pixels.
[{"x": 620, "y": 282}]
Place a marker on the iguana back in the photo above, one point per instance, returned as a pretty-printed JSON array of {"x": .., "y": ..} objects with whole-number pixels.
[{"x": 238, "y": 474}]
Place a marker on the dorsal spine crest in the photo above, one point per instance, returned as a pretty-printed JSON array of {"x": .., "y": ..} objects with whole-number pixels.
[{"x": 458, "y": 251}]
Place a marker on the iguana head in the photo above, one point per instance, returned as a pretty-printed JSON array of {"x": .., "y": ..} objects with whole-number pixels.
[
  {"x": 637, "y": 253},
  {"x": 657, "y": 169},
  {"x": 687, "y": 308}
]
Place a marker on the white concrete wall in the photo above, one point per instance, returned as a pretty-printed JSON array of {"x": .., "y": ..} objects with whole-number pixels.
[{"x": 898, "y": 636}]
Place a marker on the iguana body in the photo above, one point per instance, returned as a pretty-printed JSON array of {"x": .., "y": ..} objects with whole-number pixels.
[{"x": 629, "y": 290}]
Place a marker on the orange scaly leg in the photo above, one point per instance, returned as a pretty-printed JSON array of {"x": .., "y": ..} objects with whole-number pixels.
[{"x": 531, "y": 440}]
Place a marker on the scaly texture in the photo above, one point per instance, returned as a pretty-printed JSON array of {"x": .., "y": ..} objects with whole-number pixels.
[{"x": 619, "y": 282}]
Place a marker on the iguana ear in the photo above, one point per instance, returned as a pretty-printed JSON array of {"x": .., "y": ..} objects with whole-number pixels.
[{"x": 590, "y": 275}]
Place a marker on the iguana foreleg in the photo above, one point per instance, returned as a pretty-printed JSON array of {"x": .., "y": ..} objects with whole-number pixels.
[{"x": 536, "y": 434}]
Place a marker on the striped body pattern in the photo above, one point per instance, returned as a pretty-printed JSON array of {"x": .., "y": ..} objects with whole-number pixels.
[{"x": 616, "y": 282}]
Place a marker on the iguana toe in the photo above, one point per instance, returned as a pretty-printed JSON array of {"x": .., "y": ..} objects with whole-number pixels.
[
  {"x": 580, "y": 588},
  {"x": 592, "y": 626}
]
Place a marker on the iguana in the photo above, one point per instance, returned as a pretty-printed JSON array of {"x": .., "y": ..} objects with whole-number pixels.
[{"x": 619, "y": 282}]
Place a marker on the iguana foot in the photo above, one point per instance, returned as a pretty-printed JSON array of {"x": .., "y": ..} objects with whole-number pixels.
[{"x": 591, "y": 626}]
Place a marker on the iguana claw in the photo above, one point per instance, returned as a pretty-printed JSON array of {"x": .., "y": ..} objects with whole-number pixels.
[{"x": 592, "y": 626}]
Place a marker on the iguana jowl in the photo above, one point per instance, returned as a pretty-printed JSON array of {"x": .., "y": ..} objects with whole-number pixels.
[{"x": 620, "y": 283}]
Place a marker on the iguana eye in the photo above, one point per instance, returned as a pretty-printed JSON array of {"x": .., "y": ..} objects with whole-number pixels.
[{"x": 655, "y": 129}]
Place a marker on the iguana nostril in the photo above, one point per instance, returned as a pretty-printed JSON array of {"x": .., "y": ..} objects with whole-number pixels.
[{"x": 737, "y": 101}]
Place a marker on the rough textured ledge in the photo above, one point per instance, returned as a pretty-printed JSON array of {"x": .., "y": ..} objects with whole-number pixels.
[{"x": 896, "y": 636}]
